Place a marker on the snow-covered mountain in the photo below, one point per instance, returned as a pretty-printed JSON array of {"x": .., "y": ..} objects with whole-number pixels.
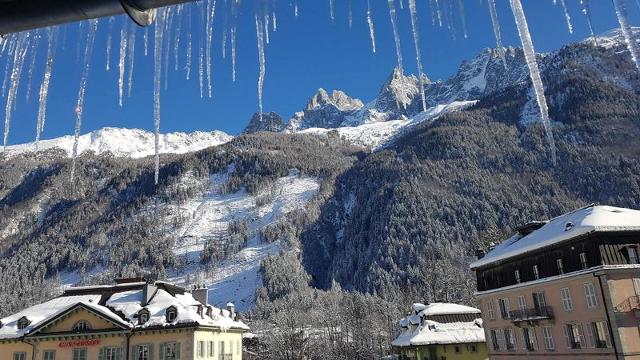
[
  {"x": 134, "y": 143},
  {"x": 324, "y": 111},
  {"x": 269, "y": 121}
]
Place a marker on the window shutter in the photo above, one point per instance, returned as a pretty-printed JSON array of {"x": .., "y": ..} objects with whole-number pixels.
[
  {"x": 151, "y": 352},
  {"x": 606, "y": 333},
  {"x": 102, "y": 355},
  {"x": 590, "y": 335},
  {"x": 162, "y": 350},
  {"x": 566, "y": 336},
  {"x": 178, "y": 351}
]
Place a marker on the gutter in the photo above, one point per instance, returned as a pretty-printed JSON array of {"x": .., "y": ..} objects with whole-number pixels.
[{"x": 33, "y": 348}]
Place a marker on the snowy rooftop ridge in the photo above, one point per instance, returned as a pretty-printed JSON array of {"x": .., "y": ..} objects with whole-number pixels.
[
  {"x": 582, "y": 221},
  {"x": 421, "y": 331},
  {"x": 123, "y": 306}
]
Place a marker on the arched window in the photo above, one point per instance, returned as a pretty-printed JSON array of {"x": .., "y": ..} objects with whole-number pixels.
[
  {"x": 81, "y": 325},
  {"x": 23, "y": 322},
  {"x": 172, "y": 313}
]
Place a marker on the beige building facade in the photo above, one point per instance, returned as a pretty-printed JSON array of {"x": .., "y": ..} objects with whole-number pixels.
[
  {"x": 565, "y": 288},
  {"x": 131, "y": 320}
]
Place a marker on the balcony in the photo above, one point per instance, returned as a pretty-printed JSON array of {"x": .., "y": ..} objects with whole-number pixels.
[
  {"x": 532, "y": 314},
  {"x": 631, "y": 304}
]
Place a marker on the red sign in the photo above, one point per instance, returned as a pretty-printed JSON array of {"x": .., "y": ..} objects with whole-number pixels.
[{"x": 79, "y": 343}]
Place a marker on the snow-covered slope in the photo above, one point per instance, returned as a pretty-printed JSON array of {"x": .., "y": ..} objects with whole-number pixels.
[
  {"x": 376, "y": 135},
  {"x": 134, "y": 143},
  {"x": 236, "y": 278}
]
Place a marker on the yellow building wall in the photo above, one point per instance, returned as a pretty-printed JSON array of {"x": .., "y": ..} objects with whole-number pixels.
[
  {"x": 157, "y": 337},
  {"x": 232, "y": 340},
  {"x": 66, "y": 352},
  {"x": 448, "y": 351},
  {"x": 67, "y": 323},
  {"x": 8, "y": 348}
]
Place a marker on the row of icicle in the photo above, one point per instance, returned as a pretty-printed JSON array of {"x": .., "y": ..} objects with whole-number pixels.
[{"x": 18, "y": 48}]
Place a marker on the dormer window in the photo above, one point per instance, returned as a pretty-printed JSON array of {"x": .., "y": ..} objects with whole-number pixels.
[
  {"x": 210, "y": 312},
  {"x": 536, "y": 272},
  {"x": 560, "y": 266},
  {"x": 23, "y": 322},
  {"x": 568, "y": 226},
  {"x": 143, "y": 316},
  {"x": 172, "y": 314},
  {"x": 201, "y": 310},
  {"x": 583, "y": 260},
  {"x": 517, "y": 274},
  {"x": 632, "y": 255},
  {"x": 81, "y": 326}
]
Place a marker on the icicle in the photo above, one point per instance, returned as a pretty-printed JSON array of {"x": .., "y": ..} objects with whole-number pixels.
[
  {"x": 93, "y": 26},
  {"x": 432, "y": 6},
  {"x": 157, "y": 73},
  {"x": 496, "y": 31},
  {"x": 331, "y": 14},
  {"x": 396, "y": 36},
  {"x": 189, "y": 44},
  {"x": 131, "y": 55},
  {"x": 438, "y": 12},
  {"x": 224, "y": 43},
  {"x": 146, "y": 41},
  {"x": 44, "y": 88},
  {"x": 295, "y": 8},
  {"x": 567, "y": 16},
  {"x": 176, "y": 42},
  {"x": 34, "y": 55},
  {"x": 632, "y": 44},
  {"x": 350, "y": 14},
  {"x": 372, "y": 33},
  {"x": 201, "y": 55},
  {"x": 234, "y": 30},
  {"x": 121, "y": 62},
  {"x": 449, "y": 20},
  {"x": 266, "y": 28},
  {"x": 463, "y": 19},
  {"x": 401, "y": 4},
  {"x": 587, "y": 13},
  {"x": 16, "y": 73},
  {"x": 416, "y": 41},
  {"x": 109, "y": 41},
  {"x": 170, "y": 16},
  {"x": 274, "y": 19},
  {"x": 210, "y": 15},
  {"x": 261, "y": 60},
  {"x": 534, "y": 71}
]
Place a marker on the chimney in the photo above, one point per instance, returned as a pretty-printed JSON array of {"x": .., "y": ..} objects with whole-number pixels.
[
  {"x": 232, "y": 310},
  {"x": 201, "y": 294},
  {"x": 148, "y": 291},
  {"x": 480, "y": 253}
]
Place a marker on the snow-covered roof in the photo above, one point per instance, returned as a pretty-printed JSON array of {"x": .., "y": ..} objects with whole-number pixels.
[
  {"x": 123, "y": 307},
  {"x": 443, "y": 309},
  {"x": 41, "y": 313},
  {"x": 433, "y": 332},
  {"x": 579, "y": 222}
]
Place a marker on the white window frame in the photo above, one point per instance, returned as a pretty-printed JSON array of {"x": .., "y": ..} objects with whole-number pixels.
[
  {"x": 174, "y": 346},
  {"x": 636, "y": 285},
  {"x": 565, "y": 297},
  {"x": 49, "y": 355},
  {"x": 211, "y": 348},
  {"x": 536, "y": 272},
  {"x": 79, "y": 354},
  {"x": 632, "y": 252},
  {"x": 201, "y": 348},
  {"x": 584, "y": 262},
  {"x": 509, "y": 339},
  {"x": 531, "y": 334},
  {"x": 522, "y": 303},
  {"x": 547, "y": 333},
  {"x": 504, "y": 315},
  {"x": 490, "y": 310},
  {"x": 141, "y": 348},
  {"x": 560, "y": 266},
  {"x": 590, "y": 295},
  {"x": 19, "y": 355},
  {"x": 517, "y": 275},
  {"x": 495, "y": 343},
  {"x": 82, "y": 325}
]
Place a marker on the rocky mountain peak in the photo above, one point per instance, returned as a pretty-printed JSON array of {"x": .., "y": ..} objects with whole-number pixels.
[
  {"x": 270, "y": 121},
  {"x": 337, "y": 98}
]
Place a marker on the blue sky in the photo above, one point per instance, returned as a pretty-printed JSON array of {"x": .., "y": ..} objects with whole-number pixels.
[{"x": 305, "y": 53}]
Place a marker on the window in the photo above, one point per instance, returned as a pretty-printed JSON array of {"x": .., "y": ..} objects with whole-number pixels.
[
  {"x": 81, "y": 326},
  {"x": 473, "y": 348},
  {"x": 456, "y": 349},
  {"x": 560, "y": 266},
  {"x": 20, "y": 356},
  {"x": 574, "y": 335},
  {"x": 565, "y": 296},
  {"x": 529, "y": 337},
  {"x": 494, "y": 340},
  {"x": 490, "y": 313},
  {"x": 221, "y": 349},
  {"x": 143, "y": 316},
  {"x": 170, "y": 351},
  {"x": 80, "y": 354},
  {"x": 599, "y": 330},
  {"x": 522, "y": 303},
  {"x": 501, "y": 340},
  {"x": 110, "y": 353},
  {"x": 636, "y": 285},
  {"x": 632, "y": 254},
  {"x": 539, "y": 302},
  {"x": 547, "y": 333},
  {"x": 200, "y": 348},
  {"x": 510, "y": 339},
  {"x": 583, "y": 260},
  {"x": 590, "y": 293},
  {"x": 49, "y": 355},
  {"x": 142, "y": 352},
  {"x": 536, "y": 272},
  {"x": 172, "y": 314},
  {"x": 23, "y": 322},
  {"x": 211, "y": 348},
  {"x": 503, "y": 305},
  {"x": 517, "y": 273}
]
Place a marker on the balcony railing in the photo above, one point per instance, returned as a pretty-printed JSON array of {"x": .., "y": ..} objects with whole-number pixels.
[
  {"x": 631, "y": 304},
  {"x": 539, "y": 313}
]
